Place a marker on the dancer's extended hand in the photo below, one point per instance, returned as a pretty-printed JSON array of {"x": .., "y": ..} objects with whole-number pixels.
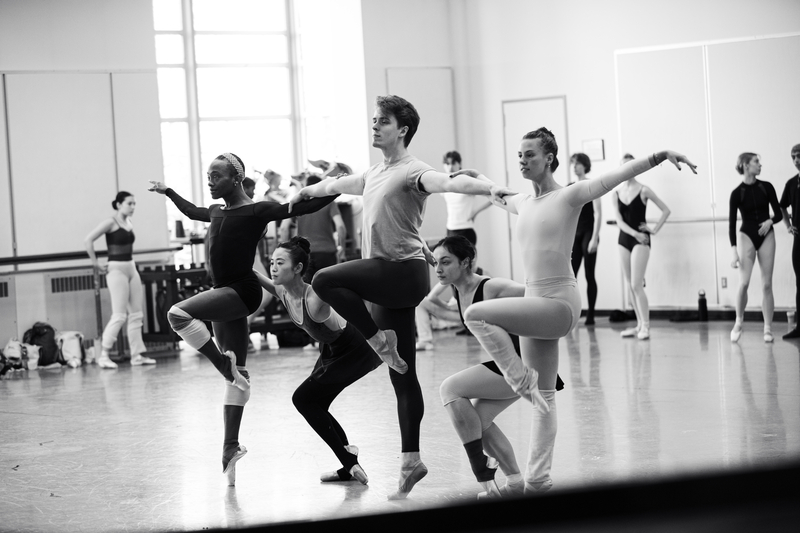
[
  {"x": 676, "y": 159},
  {"x": 157, "y": 186}
]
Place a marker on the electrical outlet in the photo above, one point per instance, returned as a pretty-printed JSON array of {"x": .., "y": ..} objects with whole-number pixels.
[{"x": 724, "y": 283}]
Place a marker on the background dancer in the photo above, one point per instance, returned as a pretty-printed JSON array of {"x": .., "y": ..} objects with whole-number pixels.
[
  {"x": 791, "y": 198},
  {"x": 587, "y": 236},
  {"x": 630, "y": 206},
  {"x": 122, "y": 278},
  {"x": 753, "y": 199},
  {"x": 475, "y": 396},
  {"x": 235, "y": 230},
  {"x": 550, "y": 309},
  {"x": 345, "y": 357},
  {"x": 393, "y": 274}
]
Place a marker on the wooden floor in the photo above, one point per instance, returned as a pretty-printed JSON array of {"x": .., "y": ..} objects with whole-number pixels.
[{"x": 138, "y": 448}]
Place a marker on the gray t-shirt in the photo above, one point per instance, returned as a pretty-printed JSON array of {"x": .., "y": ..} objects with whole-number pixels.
[
  {"x": 393, "y": 210},
  {"x": 318, "y": 228}
]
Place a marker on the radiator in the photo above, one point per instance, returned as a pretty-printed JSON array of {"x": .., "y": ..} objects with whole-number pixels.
[
  {"x": 70, "y": 301},
  {"x": 8, "y": 309}
]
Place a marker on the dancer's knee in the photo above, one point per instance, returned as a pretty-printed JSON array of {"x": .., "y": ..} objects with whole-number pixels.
[
  {"x": 448, "y": 391},
  {"x": 192, "y": 330},
  {"x": 135, "y": 320},
  {"x": 235, "y": 396},
  {"x": 117, "y": 319},
  {"x": 322, "y": 281},
  {"x": 473, "y": 313}
]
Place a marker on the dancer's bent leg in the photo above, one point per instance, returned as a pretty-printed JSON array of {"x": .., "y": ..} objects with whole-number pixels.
[
  {"x": 217, "y": 305},
  {"x": 117, "y": 282},
  {"x": 394, "y": 285}
]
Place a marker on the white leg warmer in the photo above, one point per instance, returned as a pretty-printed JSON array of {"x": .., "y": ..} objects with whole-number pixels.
[
  {"x": 112, "y": 330},
  {"x": 135, "y": 321},
  {"x": 192, "y": 330},
  {"x": 423, "y": 319},
  {"x": 543, "y": 437},
  {"x": 235, "y": 396}
]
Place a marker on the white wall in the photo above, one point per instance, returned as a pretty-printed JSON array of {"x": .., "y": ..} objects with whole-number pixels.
[{"x": 515, "y": 49}]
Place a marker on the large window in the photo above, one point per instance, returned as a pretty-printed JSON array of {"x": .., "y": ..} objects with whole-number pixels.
[{"x": 274, "y": 81}]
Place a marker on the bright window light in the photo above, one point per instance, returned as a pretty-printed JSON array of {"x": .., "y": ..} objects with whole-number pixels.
[
  {"x": 172, "y": 92},
  {"x": 169, "y": 49},
  {"x": 241, "y": 49},
  {"x": 167, "y": 15},
  {"x": 239, "y": 15},
  {"x": 243, "y": 92}
]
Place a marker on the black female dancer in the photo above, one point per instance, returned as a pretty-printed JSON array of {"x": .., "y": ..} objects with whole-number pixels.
[
  {"x": 345, "y": 357},
  {"x": 630, "y": 206},
  {"x": 393, "y": 274},
  {"x": 587, "y": 236},
  {"x": 122, "y": 279},
  {"x": 475, "y": 396},
  {"x": 552, "y": 305},
  {"x": 234, "y": 233},
  {"x": 753, "y": 199}
]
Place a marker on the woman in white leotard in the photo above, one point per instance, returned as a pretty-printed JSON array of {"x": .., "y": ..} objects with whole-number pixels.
[
  {"x": 475, "y": 396},
  {"x": 551, "y": 305}
]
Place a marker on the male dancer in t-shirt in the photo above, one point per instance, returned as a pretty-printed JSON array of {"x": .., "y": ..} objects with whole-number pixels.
[{"x": 393, "y": 274}]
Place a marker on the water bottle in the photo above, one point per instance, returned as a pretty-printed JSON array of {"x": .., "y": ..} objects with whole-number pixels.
[{"x": 702, "y": 306}]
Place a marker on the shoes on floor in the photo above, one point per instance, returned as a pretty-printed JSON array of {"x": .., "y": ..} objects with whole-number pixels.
[
  {"x": 630, "y": 332},
  {"x": 736, "y": 333},
  {"x": 105, "y": 362},
  {"x": 644, "y": 333},
  {"x": 424, "y": 346},
  {"x": 768, "y": 337},
  {"x": 341, "y": 475},
  {"x": 794, "y": 334},
  {"x": 142, "y": 360},
  {"x": 539, "y": 487}
]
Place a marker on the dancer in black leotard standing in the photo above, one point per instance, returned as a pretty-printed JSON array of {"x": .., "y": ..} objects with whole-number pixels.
[
  {"x": 630, "y": 203},
  {"x": 587, "y": 236},
  {"x": 392, "y": 275},
  {"x": 753, "y": 199},
  {"x": 234, "y": 233},
  {"x": 791, "y": 199},
  {"x": 345, "y": 357}
]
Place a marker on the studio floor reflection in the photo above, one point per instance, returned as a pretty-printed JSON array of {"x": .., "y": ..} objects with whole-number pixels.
[{"x": 138, "y": 448}]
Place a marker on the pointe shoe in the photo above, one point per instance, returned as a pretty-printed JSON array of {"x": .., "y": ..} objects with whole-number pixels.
[
  {"x": 513, "y": 489},
  {"x": 337, "y": 475},
  {"x": 105, "y": 362},
  {"x": 539, "y": 487},
  {"x": 768, "y": 337},
  {"x": 736, "y": 333},
  {"x": 230, "y": 468},
  {"x": 142, "y": 360},
  {"x": 424, "y": 346},
  {"x": 387, "y": 351},
  {"x": 644, "y": 333},
  {"x": 408, "y": 478},
  {"x": 492, "y": 492},
  {"x": 358, "y": 474},
  {"x": 630, "y": 332},
  {"x": 239, "y": 380}
]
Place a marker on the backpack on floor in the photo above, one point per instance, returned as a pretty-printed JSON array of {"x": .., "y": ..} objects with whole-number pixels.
[
  {"x": 70, "y": 344},
  {"x": 44, "y": 336}
]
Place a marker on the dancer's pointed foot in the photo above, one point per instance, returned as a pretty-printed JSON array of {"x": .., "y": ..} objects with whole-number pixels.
[
  {"x": 538, "y": 487},
  {"x": 385, "y": 345},
  {"x": 238, "y": 380},
  {"x": 490, "y": 491},
  {"x": 409, "y": 476},
  {"x": 736, "y": 332},
  {"x": 229, "y": 464}
]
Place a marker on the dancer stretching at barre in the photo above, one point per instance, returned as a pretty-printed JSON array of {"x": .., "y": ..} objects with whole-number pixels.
[
  {"x": 235, "y": 230},
  {"x": 551, "y": 306}
]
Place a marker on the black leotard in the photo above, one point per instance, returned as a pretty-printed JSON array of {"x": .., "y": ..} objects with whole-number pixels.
[
  {"x": 753, "y": 202},
  {"x": 491, "y": 365},
  {"x": 234, "y": 235},
  {"x": 633, "y": 214},
  {"x": 120, "y": 244}
]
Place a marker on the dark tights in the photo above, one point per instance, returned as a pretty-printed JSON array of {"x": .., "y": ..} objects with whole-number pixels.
[
  {"x": 580, "y": 251},
  {"x": 312, "y": 400},
  {"x": 796, "y": 266},
  {"x": 395, "y": 289}
]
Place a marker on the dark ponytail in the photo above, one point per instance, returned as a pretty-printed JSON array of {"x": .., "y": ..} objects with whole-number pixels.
[
  {"x": 299, "y": 248},
  {"x": 121, "y": 195}
]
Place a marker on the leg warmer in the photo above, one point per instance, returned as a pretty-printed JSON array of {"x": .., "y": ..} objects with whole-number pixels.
[{"x": 191, "y": 330}]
